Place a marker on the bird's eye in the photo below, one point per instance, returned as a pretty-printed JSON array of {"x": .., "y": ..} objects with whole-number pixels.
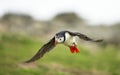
[{"x": 60, "y": 39}]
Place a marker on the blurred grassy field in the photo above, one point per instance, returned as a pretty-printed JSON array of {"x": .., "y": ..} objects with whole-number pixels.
[{"x": 14, "y": 49}]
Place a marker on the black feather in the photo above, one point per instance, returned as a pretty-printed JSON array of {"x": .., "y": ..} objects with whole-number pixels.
[
  {"x": 84, "y": 37},
  {"x": 45, "y": 48}
]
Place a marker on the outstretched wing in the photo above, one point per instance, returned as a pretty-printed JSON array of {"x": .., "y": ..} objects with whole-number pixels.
[
  {"x": 84, "y": 37},
  {"x": 45, "y": 48}
]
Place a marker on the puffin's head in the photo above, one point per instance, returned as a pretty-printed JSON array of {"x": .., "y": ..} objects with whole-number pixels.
[{"x": 59, "y": 38}]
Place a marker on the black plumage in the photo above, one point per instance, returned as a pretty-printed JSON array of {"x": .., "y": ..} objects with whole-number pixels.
[
  {"x": 51, "y": 44},
  {"x": 45, "y": 48}
]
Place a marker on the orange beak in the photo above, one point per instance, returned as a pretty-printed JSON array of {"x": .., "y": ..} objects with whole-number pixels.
[{"x": 55, "y": 43}]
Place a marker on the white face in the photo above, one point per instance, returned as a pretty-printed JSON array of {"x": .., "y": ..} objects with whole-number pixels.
[{"x": 59, "y": 39}]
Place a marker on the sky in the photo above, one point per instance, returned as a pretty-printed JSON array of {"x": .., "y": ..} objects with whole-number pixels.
[{"x": 94, "y": 11}]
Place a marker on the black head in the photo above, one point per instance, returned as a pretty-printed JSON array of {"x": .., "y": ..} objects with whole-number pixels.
[{"x": 60, "y": 37}]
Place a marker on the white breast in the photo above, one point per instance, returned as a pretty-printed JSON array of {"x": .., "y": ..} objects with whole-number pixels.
[{"x": 70, "y": 39}]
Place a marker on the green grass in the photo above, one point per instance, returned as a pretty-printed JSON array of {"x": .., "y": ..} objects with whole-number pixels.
[{"x": 15, "y": 49}]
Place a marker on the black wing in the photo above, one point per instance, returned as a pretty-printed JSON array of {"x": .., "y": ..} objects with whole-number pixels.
[
  {"x": 84, "y": 37},
  {"x": 45, "y": 48}
]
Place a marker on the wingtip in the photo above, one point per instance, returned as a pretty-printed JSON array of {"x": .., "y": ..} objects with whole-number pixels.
[
  {"x": 99, "y": 40},
  {"x": 28, "y": 61}
]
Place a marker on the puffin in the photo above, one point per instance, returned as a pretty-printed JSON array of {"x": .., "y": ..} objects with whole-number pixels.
[{"x": 67, "y": 38}]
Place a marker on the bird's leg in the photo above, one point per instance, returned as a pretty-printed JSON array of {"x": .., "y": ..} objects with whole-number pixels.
[{"x": 73, "y": 48}]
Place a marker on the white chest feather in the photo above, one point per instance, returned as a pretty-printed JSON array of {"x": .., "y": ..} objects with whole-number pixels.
[{"x": 70, "y": 40}]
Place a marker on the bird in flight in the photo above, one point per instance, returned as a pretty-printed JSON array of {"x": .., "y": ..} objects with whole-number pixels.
[{"x": 67, "y": 38}]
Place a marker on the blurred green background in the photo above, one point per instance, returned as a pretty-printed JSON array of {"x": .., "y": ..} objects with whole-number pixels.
[{"x": 21, "y": 36}]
